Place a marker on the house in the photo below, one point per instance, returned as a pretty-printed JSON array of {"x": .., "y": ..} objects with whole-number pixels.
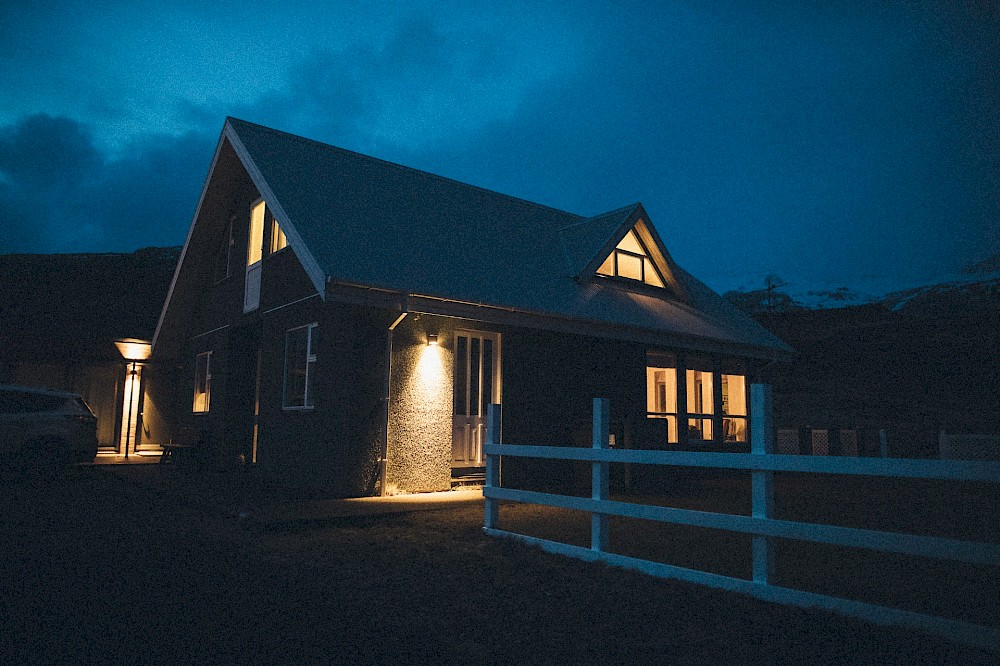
[
  {"x": 338, "y": 320},
  {"x": 64, "y": 321}
]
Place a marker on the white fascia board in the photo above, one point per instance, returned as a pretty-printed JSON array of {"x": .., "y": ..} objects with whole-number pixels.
[
  {"x": 305, "y": 257},
  {"x": 187, "y": 240}
]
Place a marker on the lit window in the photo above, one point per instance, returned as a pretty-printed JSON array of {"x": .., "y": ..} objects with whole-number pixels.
[
  {"x": 734, "y": 408},
  {"x": 700, "y": 405},
  {"x": 631, "y": 261},
  {"x": 661, "y": 391},
  {"x": 202, "y": 382},
  {"x": 300, "y": 367},
  {"x": 278, "y": 239},
  {"x": 254, "y": 248}
]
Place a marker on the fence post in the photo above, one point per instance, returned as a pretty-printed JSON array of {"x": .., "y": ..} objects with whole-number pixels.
[
  {"x": 599, "y": 474},
  {"x": 762, "y": 482},
  {"x": 493, "y": 416}
]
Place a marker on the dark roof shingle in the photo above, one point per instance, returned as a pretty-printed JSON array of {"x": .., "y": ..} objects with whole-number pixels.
[{"x": 370, "y": 222}]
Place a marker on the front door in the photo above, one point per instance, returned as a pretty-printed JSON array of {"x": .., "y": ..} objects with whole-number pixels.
[{"x": 477, "y": 384}]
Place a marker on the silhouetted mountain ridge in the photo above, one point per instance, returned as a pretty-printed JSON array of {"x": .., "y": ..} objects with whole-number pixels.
[{"x": 81, "y": 301}]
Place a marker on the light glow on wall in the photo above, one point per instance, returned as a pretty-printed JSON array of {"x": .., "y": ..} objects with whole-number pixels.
[
  {"x": 130, "y": 407},
  {"x": 429, "y": 373},
  {"x": 421, "y": 416}
]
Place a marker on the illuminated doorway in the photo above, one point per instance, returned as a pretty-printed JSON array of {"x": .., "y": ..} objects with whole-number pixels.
[
  {"x": 477, "y": 384},
  {"x": 134, "y": 352}
]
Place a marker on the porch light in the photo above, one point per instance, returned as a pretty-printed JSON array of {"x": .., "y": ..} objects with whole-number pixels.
[
  {"x": 432, "y": 339},
  {"x": 132, "y": 349}
]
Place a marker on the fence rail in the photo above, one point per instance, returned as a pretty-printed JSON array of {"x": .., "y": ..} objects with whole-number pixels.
[{"x": 762, "y": 463}]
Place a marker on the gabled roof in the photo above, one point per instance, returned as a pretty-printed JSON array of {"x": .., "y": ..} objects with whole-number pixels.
[
  {"x": 605, "y": 231},
  {"x": 586, "y": 240},
  {"x": 357, "y": 220}
]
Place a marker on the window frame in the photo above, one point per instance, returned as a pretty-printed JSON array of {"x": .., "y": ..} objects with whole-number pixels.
[
  {"x": 695, "y": 369},
  {"x": 657, "y": 361},
  {"x": 720, "y": 412},
  {"x": 207, "y": 382},
  {"x": 275, "y": 230},
  {"x": 730, "y": 419},
  {"x": 251, "y": 250},
  {"x": 308, "y": 397},
  {"x": 645, "y": 257}
]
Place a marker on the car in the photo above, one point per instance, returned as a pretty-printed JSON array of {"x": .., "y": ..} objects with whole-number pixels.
[{"x": 41, "y": 429}]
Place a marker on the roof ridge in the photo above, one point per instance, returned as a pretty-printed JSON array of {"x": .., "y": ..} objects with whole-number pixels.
[
  {"x": 403, "y": 167},
  {"x": 606, "y": 214}
]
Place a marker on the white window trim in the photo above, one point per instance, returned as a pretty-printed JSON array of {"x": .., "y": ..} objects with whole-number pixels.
[
  {"x": 208, "y": 383},
  {"x": 310, "y": 363}
]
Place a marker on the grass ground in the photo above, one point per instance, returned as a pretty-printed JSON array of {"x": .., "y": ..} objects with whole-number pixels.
[{"x": 103, "y": 567}]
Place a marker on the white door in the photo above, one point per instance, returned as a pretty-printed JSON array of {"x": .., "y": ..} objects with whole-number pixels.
[{"x": 477, "y": 384}]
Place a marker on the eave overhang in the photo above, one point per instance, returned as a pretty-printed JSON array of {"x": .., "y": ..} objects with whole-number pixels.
[{"x": 400, "y": 301}]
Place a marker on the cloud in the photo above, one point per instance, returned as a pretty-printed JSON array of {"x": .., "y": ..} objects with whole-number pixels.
[
  {"x": 808, "y": 142},
  {"x": 423, "y": 83},
  {"x": 815, "y": 140},
  {"x": 62, "y": 195}
]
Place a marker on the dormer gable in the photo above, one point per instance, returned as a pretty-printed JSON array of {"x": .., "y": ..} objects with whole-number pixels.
[
  {"x": 630, "y": 260},
  {"x": 622, "y": 246}
]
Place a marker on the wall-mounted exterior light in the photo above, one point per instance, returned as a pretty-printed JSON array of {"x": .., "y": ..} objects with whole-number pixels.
[
  {"x": 132, "y": 349},
  {"x": 432, "y": 339}
]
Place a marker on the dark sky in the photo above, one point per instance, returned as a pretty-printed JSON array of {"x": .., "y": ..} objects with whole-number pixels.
[{"x": 838, "y": 142}]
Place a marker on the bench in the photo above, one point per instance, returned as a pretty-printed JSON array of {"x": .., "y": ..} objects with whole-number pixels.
[{"x": 181, "y": 446}]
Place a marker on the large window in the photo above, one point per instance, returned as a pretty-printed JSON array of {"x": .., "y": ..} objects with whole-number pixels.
[
  {"x": 661, "y": 391},
  {"x": 700, "y": 417},
  {"x": 202, "y": 382},
  {"x": 631, "y": 261},
  {"x": 254, "y": 248},
  {"x": 300, "y": 367},
  {"x": 700, "y": 404},
  {"x": 734, "y": 408}
]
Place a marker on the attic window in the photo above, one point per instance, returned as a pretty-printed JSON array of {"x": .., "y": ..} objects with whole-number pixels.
[
  {"x": 278, "y": 239},
  {"x": 631, "y": 261}
]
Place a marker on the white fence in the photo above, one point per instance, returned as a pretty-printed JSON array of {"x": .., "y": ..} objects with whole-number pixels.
[{"x": 761, "y": 524}]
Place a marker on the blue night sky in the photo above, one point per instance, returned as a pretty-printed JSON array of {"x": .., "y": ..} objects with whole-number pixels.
[{"x": 833, "y": 142}]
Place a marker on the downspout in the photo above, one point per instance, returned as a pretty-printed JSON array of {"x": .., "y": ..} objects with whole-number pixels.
[{"x": 384, "y": 458}]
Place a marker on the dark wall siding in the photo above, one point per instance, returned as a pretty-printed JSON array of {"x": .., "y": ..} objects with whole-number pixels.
[
  {"x": 550, "y": 381},
  {"x": 335, "y": 445}
]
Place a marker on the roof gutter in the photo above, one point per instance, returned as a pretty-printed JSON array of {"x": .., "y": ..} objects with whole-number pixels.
[{"x": 478, "y": 311}]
